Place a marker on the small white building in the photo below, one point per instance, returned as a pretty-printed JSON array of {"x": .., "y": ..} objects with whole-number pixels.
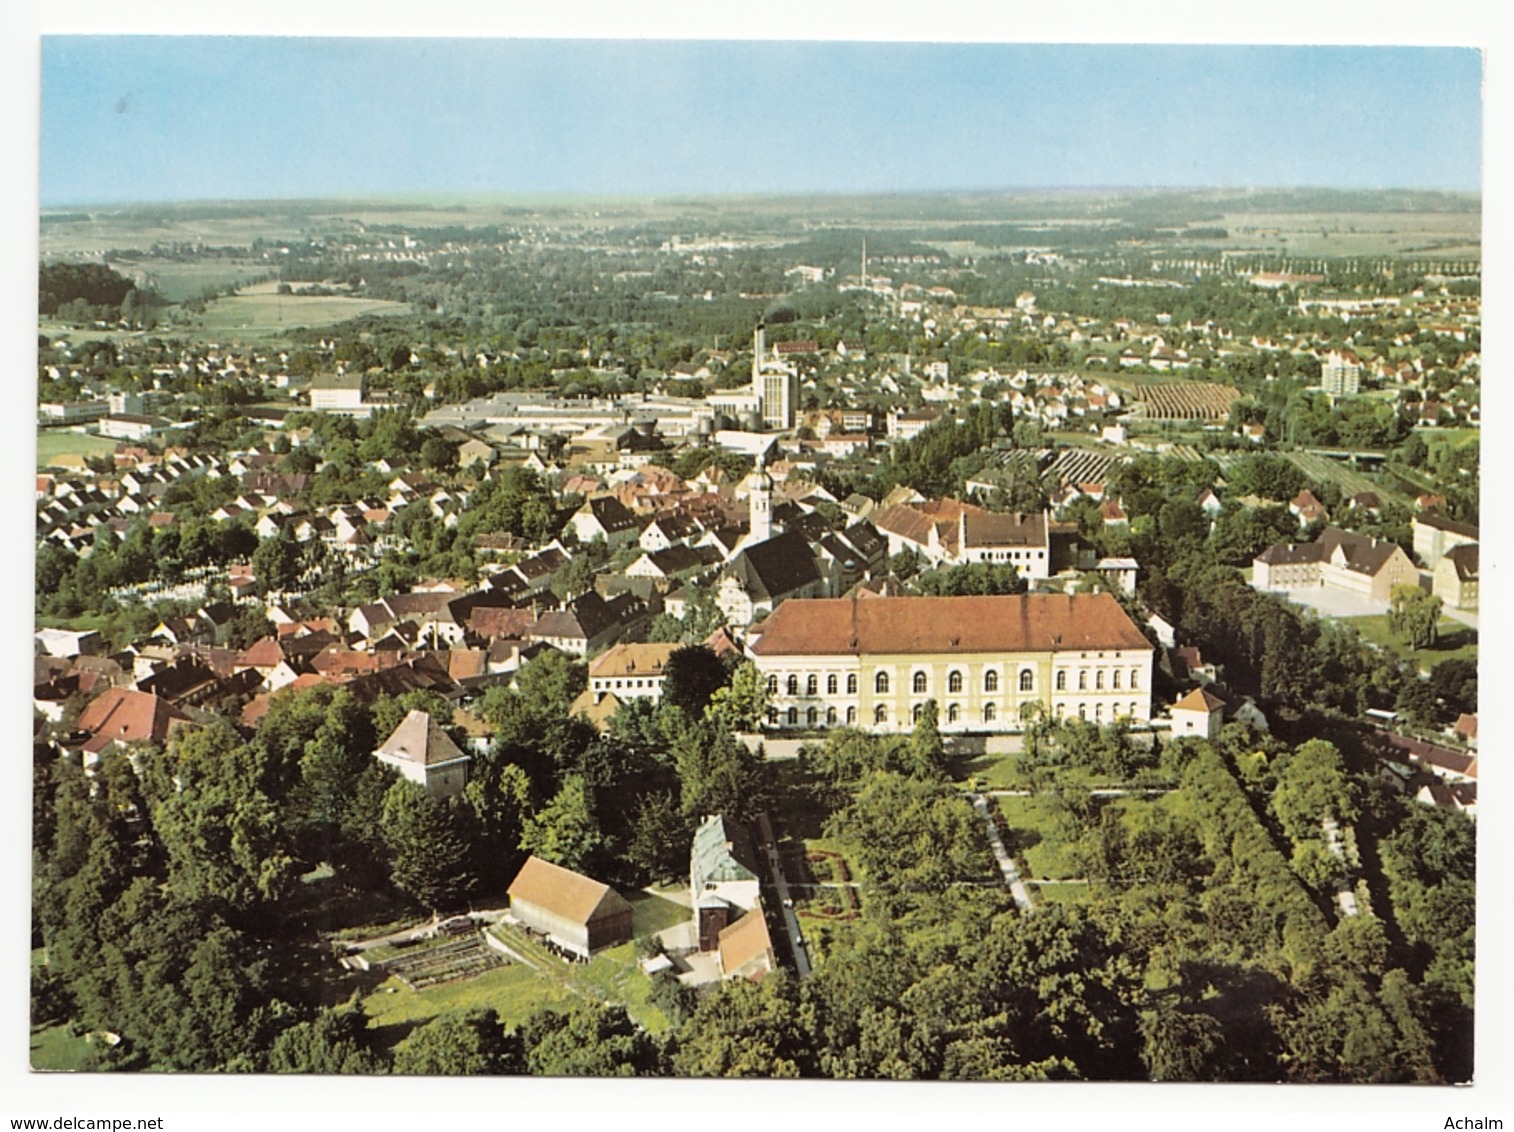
[
  {"x": 1200, "y": 713},
  {"x": 424, "y": 754}
]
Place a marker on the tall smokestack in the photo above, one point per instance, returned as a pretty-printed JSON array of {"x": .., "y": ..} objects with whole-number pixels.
[{"x": 757, "y": 347}]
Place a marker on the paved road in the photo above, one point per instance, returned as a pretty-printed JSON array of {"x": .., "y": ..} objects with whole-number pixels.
[
  {"x": 1017, "y": 887},
  {"x": 790, "y": 921}
]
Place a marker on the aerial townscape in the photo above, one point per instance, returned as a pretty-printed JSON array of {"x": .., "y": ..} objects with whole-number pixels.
[{"x": 999, "y": 636}]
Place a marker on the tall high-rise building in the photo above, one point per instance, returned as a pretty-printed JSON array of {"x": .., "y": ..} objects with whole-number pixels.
[
  {"x": 1341, "y": 372},
  {"x": 775, "y": 384}
]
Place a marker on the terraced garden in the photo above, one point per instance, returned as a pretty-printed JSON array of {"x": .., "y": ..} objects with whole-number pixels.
[{"x": 419, "y": 967}]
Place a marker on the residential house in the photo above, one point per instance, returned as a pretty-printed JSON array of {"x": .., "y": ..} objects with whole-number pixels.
[
  {"x": 631, "y": 671},
  {"x": 121, "y": 716},
  {"x": 746, "y": 948},
  {"x": 1200, "y": 713},
  {"x": 590, "y": 622}
]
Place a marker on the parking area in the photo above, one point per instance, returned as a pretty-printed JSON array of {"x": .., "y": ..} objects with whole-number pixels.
[{"x": 1336, "y": 603}]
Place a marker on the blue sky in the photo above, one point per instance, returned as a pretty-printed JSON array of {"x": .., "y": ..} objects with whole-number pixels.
[{"x": 170, "y": 118}]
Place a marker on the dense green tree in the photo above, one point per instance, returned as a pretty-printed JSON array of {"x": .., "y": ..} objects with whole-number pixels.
[
  {"x": 745, "y": 1029},
  {"x": 927, "y": 753},
  {"x": 223, "y": 835},
  {"x": 912, "y": 836},
  {"x": 718, "y": 774},
  {"x": 565, "y": 831},
  {"x": 742, "y": 703},
  {"x": 1414, "y": 616},
  {"x": 1312, "y": 787},
  {"x": 589, "y": 1040},
  {"x": 469, "y": 1043},
  {"x": 1179, "y": 1044},
  {"x": 334, "y": 1041},
  {"x": 429, "y": 854},
  {"x": 691, "y": 676}
]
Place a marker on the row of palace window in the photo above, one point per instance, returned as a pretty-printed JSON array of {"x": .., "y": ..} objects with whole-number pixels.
[
  {"x": 811, "y": 716},
  {"x": 920, "y": 682}
]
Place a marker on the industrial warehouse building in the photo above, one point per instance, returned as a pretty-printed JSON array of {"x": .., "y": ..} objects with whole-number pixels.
[
  {"x": 875, "y": 662},
  {"x": 578, "y": 914}
]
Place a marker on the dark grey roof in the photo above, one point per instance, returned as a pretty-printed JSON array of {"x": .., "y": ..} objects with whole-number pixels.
[
  {"x": 776, "y": 568},
  {"x": 1464, "y": 558}
]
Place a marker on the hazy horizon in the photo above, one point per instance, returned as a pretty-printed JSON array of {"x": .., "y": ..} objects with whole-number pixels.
[{"x": 444, "y": 198}]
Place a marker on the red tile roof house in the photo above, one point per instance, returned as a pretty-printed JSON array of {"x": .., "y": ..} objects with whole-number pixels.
[
  {"x": 578, "y": 914},
  {"x": 122, "y": 716},
  {"x": 746, "y": 948}
]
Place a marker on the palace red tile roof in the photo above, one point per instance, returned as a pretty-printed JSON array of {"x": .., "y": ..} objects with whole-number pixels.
[{"x": 1018, "y": 623}]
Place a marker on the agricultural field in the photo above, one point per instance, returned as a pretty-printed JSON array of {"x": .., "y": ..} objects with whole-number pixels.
[
  {"x": 259, "y": 312},
  {"x": 1323, "y": 469},
  {"x": 177, "y": 282},
  {"x": 1186, "y": 401},
  {"x": 1454, "y": 235},
  {"x": 58, "y": 449}
]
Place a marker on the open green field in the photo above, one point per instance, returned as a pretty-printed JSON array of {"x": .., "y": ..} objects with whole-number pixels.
[
  {"x": 996, "y": 772},
  {"x": 1460, "y": 437},
  {"x": 59, "y": 448},
  {"x": 1032, "y": 841},
  {"x": 260, "y": 312},
  {"x": 1457, "y": 641},
  {"x": 516, "y": 992},
  {"x": 179, "y": 281}
]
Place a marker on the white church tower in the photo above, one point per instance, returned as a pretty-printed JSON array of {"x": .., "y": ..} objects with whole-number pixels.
[{"x": 760, "y": 503}]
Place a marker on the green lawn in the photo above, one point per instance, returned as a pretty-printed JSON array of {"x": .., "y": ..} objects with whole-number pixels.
[
  {"x": 54, "y": 1048},
  {"x": 653, "y": 912},
  {"x": 516, "y": 992},
  {"x": 1457, "y": 641},
  {"x": 998, "y": 772},
  {"x": 1063, "y": 893},
  {"x": 54, "y": 446},
  {"x": 1033, "y": 844}
]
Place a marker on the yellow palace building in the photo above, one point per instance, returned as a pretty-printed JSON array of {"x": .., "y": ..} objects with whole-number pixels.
[{"x": 875, "y": 662}]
